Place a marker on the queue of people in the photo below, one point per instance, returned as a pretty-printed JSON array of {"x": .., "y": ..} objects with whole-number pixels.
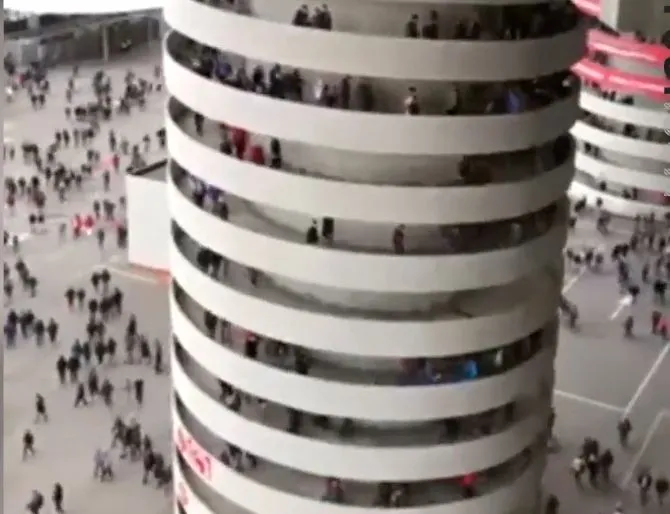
[
  {"x": 239, "y": 143},
  {"x": 351, "y": 93},
  {"x": 402, "y": 239},
  {"x": 505, "y": 22},
  {"x": 514, "y": 22}
]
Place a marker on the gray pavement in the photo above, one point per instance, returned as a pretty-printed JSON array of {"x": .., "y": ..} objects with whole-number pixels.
[
  {"x": 601, "y": 375},
  {"x": 65, "y": 445}
]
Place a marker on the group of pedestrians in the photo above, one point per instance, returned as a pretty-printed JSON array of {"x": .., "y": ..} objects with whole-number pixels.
[{"x": 641, "y": 263}]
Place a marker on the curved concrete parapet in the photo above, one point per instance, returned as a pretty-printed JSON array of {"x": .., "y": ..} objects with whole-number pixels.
[{"x": 410, "y": 262}]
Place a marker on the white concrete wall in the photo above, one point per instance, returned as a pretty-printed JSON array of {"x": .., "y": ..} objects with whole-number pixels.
[{"x": 148, "y": 222}]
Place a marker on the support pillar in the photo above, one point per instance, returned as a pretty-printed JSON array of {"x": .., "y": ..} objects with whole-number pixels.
[
  {"x": 104, "y": 29},
  {"x": 163, "y": 29},
  {"x": 150, "y": 32}
]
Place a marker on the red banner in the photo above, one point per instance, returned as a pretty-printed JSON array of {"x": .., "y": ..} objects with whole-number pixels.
[
  {"x": 627, "y": 47},
  {"x": 196, "y": 456},
  {"x": 614, "y": 80}
]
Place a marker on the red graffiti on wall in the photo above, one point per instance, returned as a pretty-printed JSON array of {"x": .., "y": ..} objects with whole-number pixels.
[{"x": 196, "y": 456}]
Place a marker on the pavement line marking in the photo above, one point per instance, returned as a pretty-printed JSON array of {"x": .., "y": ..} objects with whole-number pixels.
[
  {"x": 655, "y": 425},
  {"x": 132, "y": 275},
  {"x": 589, "y": 401},
  {"x": 570, "y": 283},
  {"x": 623, "y": 303},
  {"x": 648, "y": 377}
]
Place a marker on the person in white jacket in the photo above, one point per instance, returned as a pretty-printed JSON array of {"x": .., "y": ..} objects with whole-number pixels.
[{"x": 319, "y": 89}]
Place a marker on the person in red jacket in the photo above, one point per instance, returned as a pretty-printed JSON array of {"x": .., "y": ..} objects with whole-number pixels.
[
  {"x": 256, "y": 155},
  {"x": 116, "y": 162},
  {"x": 77, "y": 225},
  {"x": 240, "y": 140},
  {"x": 467, "y": 483},
  {"x": 89, "y": 222},
  {"x": 662, "y": 328}
]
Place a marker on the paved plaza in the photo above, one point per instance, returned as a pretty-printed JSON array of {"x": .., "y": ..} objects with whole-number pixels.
[
  {"x": 601, "y": 376},
  {"x": 65, "y": 446}
]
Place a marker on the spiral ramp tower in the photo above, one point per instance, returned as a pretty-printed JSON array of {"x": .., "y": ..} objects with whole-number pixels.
[
  {"x": 624, "y": 147},
  {"x": 407, "y": 359}
]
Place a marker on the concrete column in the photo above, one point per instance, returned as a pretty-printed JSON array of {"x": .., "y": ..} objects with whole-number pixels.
[
  {"x": 33, "y": 21},
  {"x": 104, "y": 31},
  {"x": 162, "y": 28},
  {"x": 150, "y": 31}
]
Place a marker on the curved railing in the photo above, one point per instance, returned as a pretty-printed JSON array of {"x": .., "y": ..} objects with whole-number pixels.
[{"x": 394, "y": 56}]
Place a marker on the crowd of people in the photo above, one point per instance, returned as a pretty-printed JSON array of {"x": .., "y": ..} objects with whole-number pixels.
[
  {"x": 359, "y": 93},
  {"x": 515, "y": 22},
  {"x": 507, "y": 22},
  {"x": 85, "y": 366},
  {"x": 43, "y": 178},
  {"x": 595, "y": 463},
  {"x": 641, "y": 264}
]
